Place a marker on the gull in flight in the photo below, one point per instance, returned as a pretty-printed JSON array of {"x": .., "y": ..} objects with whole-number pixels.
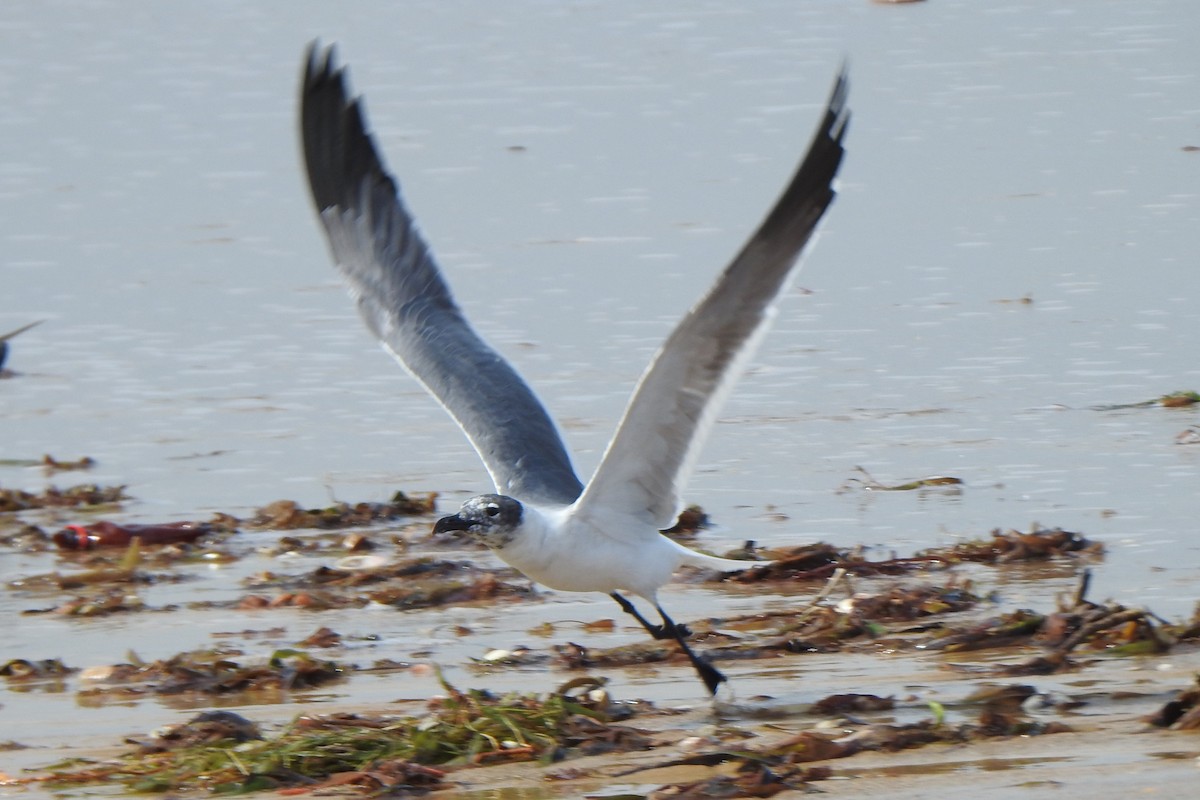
[
  {"x": 4, "y": 339},
  {"x": 599, "y": 537}
]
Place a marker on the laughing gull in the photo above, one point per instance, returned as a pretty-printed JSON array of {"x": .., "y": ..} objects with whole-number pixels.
[{"x": 605, "y": 536}]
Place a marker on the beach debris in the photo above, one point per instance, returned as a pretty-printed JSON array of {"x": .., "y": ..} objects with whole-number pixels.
[
  {"x": 290, "y": 515},
  {"x": 764, "y": 770},
  {"x": 413, "y": 583},
  {"x": 322, "y": 637},
  {"x": 852, "y": 704},
  {"x": 207, "y": 728},
  {"x": 1108, "y": 628},
  {"x": 869, "y": 483},
  {"x": 820, "y": 560},
  {"x": 211, "y": 672},
  {"x": 112, "y": 534},
  {"x": 375, "y": 753},
  {"x": 88, "y": 494},
  {"x": 1179, "y": 399},
  {"x": 394, "y": 777},
  {"x": 691, "y": 520},
  {"x": 100, "y": 605},
  {"x": 1005, "y": 547},
  {"x": 854, "y": 612},
  {"x": 51, "y": 464},
  {"x": 753, "y": 778},
  {"x": 1190, "y": 435},
  {"x": 1181, "y": 713},
  {"x": 108, "y": 571},
  {"x": 22, "y": 537},
  {"x": 21, "y": 669}
]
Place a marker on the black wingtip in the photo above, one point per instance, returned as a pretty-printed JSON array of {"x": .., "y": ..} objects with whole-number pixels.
[
  {"x": 837, "y": 102},
  {"x": 339, "y": 155},
  {"x": 792, "y": 220}
]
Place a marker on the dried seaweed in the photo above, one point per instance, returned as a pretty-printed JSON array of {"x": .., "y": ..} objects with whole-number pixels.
[
  {"x": 87, "y": 494},
  {"x": 820, "y": 560},
  {"x": 414, "y": 583},
  {"x": 289, "y": 515},
  {"x": 211, "y": 672}
]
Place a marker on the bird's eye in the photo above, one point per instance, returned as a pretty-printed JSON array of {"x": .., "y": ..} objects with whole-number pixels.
[{"x": 492, "y": 509}]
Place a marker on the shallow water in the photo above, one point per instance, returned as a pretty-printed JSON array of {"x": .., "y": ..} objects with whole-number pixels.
[{"x": 584, "y": 170}]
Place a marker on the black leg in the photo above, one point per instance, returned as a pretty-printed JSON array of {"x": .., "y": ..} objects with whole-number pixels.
[
  {"x": 659, "y": 632},
  {"x": 711, "y": 676},
  {"x": 669, "y": 629}
]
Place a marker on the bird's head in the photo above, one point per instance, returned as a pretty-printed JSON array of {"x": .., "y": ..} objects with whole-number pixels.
[{"x": 490, "y": 519}]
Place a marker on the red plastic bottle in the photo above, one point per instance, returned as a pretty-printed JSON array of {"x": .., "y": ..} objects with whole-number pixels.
[{"x": 110, "y": 534}]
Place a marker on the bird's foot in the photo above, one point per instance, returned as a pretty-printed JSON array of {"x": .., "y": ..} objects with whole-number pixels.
[
  {"x": 711, "y": 676},
  {"x": 675, "y": 630}
]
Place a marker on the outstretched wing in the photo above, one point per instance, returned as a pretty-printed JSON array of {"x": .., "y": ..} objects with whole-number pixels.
[
  {"x": 655, "y": 448},
  {"x": 405, "y": 301}
]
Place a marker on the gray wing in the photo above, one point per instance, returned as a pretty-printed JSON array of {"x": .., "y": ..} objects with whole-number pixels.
[
  {"x": 405, "y": 301},
  {"x": 644, "y": 470}
]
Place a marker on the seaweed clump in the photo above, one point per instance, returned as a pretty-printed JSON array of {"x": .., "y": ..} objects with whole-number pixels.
[
  {"x": 821, "y": 560},
  {"x": 377, "y": 753},
  {"x": 211, "y": 672},
  {"x": 289, "y": 515},
  {"x": 86, "y": 494}
]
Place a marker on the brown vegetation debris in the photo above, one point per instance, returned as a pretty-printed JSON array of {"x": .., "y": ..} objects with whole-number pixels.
[
  {"x": 206, "y": 728},
  {"x": 907, "y": 603},
  {"x": 322, "y": 637},
  {"x": 869, "y": 483},
  {"x": 576, "y": 656},
  {"x": 289, "y": 515},
  {"x": 852, "y": 703},
  {"x": 1189, "y": 435},
  {"x": 1181, "y": 399},
  {"x": 1181, "y": 713},
  {"x": 432, "y": 592},
  {"x": 212, "y": 672},
  {"x": 1019, "y": 626},
  {"x": 21, "y": 669},
  {"x": 1008, "y": 546},
  {"x": 690, "y": 520},
  {"x": 415, "y": 583},
  {"x": 1107, "y": 627},
  {"x": 386, "y": 777},
  {"x": 1001, "y": 714},
  {"x": 87, "y": 494},
  {"x": 25, "y": 538},
  {"x": 819, "y": 561},
  {"x": 819, "y": 629},
  {"x": 112, "y": 601},
  {"x": 51, "y": 464},
  {"x": 753, "y": 779},
  {"x": 811, "y": 629}
]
